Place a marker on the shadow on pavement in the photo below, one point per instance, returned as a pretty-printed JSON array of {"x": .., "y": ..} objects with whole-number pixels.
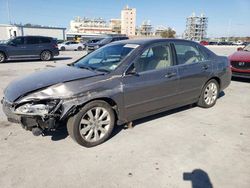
[
  {"x": 198, "y": 178},
  {"x": 237, "y": 79},
  {"x": 58, "y": 134}
]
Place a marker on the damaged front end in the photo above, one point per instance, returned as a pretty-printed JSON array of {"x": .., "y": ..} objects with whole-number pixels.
[{"x": 39, "y": 111}]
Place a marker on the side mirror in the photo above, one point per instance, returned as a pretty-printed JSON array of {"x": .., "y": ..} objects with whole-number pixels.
[
  {"x": 239, "y": 49},
  {"x": 12, "y": 44},
  {"x": 132, "y": 72}
]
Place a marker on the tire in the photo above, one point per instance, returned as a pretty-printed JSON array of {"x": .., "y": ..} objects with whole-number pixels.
[
  {"x": 63, "y": 48},
  {"x": 46, "y": 55},
  {"x": 89, "y": 131},
  {"x": 209, "y": 94},
  {"x": 79, "y": 48},
  {"x": 2, "y": 57}
]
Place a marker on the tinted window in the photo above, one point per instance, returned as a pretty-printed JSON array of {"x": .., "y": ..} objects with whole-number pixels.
[
  {"x": 32, "y": 40},
  {"x": 157, "y": 57},
  {"x": 188, "y": 53},
  {"x": 18, "y": 41},
  {"x": 44, "y": 40}
]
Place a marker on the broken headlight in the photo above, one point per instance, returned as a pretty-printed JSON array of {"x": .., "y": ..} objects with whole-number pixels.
[{"x": 39, "y": 109}]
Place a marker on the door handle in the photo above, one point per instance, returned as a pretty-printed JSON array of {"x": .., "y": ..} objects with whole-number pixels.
[
  {"x": 170, "y": 74},
  {"x": 23, "y": 47}
]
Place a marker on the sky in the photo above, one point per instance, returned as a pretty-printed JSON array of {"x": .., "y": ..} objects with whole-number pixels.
[{"x": 225, "y": 17}]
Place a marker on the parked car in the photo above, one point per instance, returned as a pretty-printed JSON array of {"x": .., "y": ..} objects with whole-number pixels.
[
  {"x": 225, "y": 43},
  {"x": 108, "y": 39},
  {"x": 204, "y": 43},
  {"x": 116, "y": 84},
  {"x": 29, "y": 47},
  {"x": 245, "y": 43},
  {"x": 240, "y": 62},
  {"x": 212, "y": 43},
  {"x": 71, "y": 45},
  {"x": 238, "y": 43}
]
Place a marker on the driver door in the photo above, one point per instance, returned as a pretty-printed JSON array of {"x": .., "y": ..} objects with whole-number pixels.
[
  {"x": 17, "y": 48},
  {"x": 151, "y": 82}
]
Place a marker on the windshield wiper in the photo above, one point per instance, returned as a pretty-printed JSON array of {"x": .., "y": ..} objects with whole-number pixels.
[
  {"x": 87, "y": 67},
  {"x": 102, "y": 70}
]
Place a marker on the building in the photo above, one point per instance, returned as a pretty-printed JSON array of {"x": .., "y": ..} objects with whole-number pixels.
[
  {"x": 115, "y": 25},
  {"x": 89, "y": 26},
  {"x": 196, "y": 27},
  {"x": 159, "y": 30},
  {"x": 146, "y": 29},
  {"x": 128, "y": 21},
  {"x": 8, "y": 31}
]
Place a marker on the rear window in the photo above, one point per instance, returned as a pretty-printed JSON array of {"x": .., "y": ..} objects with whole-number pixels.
[
  {"x": 45, "y": 40},
  {"x": 32, "y": 40}
]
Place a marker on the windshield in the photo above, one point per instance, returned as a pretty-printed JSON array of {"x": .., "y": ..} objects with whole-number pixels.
[
  {"x": 247, "y": 48},
  {"x": 105, "y": 40},
  {"x": 106, "y": 58}
]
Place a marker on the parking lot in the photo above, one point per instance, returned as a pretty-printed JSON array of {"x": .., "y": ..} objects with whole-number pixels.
[{"x": 189, "y": 145}]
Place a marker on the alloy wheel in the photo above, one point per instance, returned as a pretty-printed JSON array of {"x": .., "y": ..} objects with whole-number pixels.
[
  {"x": 211, "y": 93},
  {"x": 46, "y": 55},
  {"x": 94, "y": 124}
]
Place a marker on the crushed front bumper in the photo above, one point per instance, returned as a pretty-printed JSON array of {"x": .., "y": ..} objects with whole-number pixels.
[{"x": 27, "y": 121}]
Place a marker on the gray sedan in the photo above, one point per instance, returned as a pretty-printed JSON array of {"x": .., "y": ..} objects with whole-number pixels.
[{"x": 117, "y": 84}]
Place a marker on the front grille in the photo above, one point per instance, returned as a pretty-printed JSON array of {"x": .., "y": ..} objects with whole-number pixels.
[{"x": 241, "y": 65}]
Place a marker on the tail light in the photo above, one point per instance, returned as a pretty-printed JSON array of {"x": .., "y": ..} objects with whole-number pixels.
[{"x": 55, "y": 46}]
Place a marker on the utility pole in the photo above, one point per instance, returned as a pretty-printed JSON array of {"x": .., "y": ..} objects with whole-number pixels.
[{"x": 8, "y": 11}]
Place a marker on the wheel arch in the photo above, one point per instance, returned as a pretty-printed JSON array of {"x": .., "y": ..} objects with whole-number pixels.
[
  {"x": 214, "y": 78},
  {"x": 46, "y": 50},
  {"x": 108, "y": 100},
  {"x": 4, "y": 53}
]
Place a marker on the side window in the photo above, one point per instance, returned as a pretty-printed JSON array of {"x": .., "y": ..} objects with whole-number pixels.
[
  {"x": 187, "y": 53},
  {"x": 18, "y": 41},
  {"x": 44, "y": 40},
  {"x": 154, "y": 58},
  {"x": 32, "y": 40}
]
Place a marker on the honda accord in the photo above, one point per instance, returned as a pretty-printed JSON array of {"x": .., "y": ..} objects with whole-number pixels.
[{"x": 117, "y": 84}]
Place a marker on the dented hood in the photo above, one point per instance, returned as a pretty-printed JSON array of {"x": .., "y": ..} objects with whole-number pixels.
[{"x": 44, "y": 79}]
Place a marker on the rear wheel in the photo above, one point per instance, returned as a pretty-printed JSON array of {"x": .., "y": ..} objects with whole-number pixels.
[
  {"x": 46, "y": 55},
  {"x": 63, "y": 48},
  {"x": 79, "y": 48},
  {"x": 209, "y": 94},
  {"x": 93, "y": 124},
  {"x": 2, "y": 57}
]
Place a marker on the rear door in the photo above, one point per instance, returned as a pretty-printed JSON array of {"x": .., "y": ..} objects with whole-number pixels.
[
  {"x": 194, "y": 68},
  {"x": 151, "y": 82},
  {"x": 33, "y": 46}
]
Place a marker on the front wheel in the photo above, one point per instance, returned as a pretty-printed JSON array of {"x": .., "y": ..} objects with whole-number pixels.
[
  {"x": 46, "y": 55},
  {"x": 2, "y": 57},
  {"x": 209, "y": 94},
  {"x": 92, "y": 125}
]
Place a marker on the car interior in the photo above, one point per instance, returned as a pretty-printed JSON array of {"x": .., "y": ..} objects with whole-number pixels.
[{"x": 154, "y": 58}]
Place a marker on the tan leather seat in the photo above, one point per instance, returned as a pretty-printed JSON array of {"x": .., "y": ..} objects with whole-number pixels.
[{"x": 160, "y": 59}]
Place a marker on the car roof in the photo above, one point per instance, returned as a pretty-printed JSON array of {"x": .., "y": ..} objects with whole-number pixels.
[{"x": 150, "y": 41}]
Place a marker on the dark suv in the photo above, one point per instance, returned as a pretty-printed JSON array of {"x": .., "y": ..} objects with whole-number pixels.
[
  {"x": 29, "y": 47},
  {"x": 106, "y": 40}
]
